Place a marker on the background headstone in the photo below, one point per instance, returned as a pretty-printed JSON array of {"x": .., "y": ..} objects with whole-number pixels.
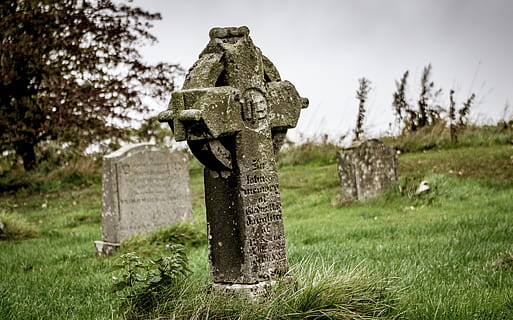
[
  {"x": 366, "y": 169},
  {"x": 143, "y": 188}
]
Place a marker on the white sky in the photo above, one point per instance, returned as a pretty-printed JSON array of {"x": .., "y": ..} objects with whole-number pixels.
[{"x": 323, "y": 47}]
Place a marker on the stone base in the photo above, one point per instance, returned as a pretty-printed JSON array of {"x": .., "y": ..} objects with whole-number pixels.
[
  {"x": 103, "y": 249},
  {"x": 251, "y": 291}
]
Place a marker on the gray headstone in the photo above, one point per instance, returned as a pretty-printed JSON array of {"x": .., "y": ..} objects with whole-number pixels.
[
  {"x": 366, "y": 169},
  {"x": 234, "y": 112},
  {"x": 143, "y": 188}
]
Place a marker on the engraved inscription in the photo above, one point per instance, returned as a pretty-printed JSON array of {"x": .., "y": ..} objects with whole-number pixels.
[{"x": 261, "y": 205}]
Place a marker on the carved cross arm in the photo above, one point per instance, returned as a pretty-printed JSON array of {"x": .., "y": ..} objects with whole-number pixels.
[{"x": 199, "y": 114}]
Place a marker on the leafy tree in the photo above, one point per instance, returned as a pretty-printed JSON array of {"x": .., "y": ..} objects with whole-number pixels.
[
  {"x": 70, "y": 71},
  {"x": 361, "y": 95}
]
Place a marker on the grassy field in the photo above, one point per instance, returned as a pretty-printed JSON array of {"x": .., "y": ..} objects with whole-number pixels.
[{"x": 447, "y": 254}]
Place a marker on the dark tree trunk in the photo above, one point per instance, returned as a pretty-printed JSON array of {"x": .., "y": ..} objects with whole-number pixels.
[{"x": 27, "y": 153}]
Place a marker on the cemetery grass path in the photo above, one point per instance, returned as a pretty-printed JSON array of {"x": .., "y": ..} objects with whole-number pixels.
[{"x": 447, "y": 254}]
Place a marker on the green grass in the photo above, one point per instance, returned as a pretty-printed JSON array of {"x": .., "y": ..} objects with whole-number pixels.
[
  {"x": 54, "y": 275},
  {"x": 440, "y": 247},
  {"x": 447, "y": 254}
]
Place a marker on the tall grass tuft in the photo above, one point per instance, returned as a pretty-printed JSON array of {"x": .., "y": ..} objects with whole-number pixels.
[
  {"x": 316, "y": 291},
  {"x": 323, "y": 292},
  {"x": 16, "y": 227}
]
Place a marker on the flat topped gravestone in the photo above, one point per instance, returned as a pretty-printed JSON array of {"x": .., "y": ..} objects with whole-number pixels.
[
  {"x": 143, "y": 188},
  {"x": 234, "y": 112},
  {"x": 366, "y": 169}
]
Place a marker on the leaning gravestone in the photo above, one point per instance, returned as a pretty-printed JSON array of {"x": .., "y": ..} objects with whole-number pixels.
[
  {"x": 143, "y": 188},
  {"x": 234, "y": 112},
  {"x": 366, "y": 169}
]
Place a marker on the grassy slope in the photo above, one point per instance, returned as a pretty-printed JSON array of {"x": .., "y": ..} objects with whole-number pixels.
[
  {"x": 54, "y": 275},
  {"x": 446, "y": 250},
  {"x": 440, "y": 247}
]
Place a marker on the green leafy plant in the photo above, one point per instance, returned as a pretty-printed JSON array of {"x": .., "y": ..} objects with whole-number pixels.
[{"x": 141, "y": 280}]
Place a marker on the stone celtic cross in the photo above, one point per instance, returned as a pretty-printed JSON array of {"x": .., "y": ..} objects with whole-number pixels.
[{"x": 234, "y": 112}]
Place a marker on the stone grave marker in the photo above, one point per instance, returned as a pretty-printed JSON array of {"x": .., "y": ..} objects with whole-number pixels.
[
  {"x": 143, "y": 188},
  {"x": 234, "y": 112},
  {"x": 366, "y": 169}
]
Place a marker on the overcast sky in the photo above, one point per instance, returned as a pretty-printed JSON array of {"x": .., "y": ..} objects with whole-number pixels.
[{"x": 323, "y": 47}]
